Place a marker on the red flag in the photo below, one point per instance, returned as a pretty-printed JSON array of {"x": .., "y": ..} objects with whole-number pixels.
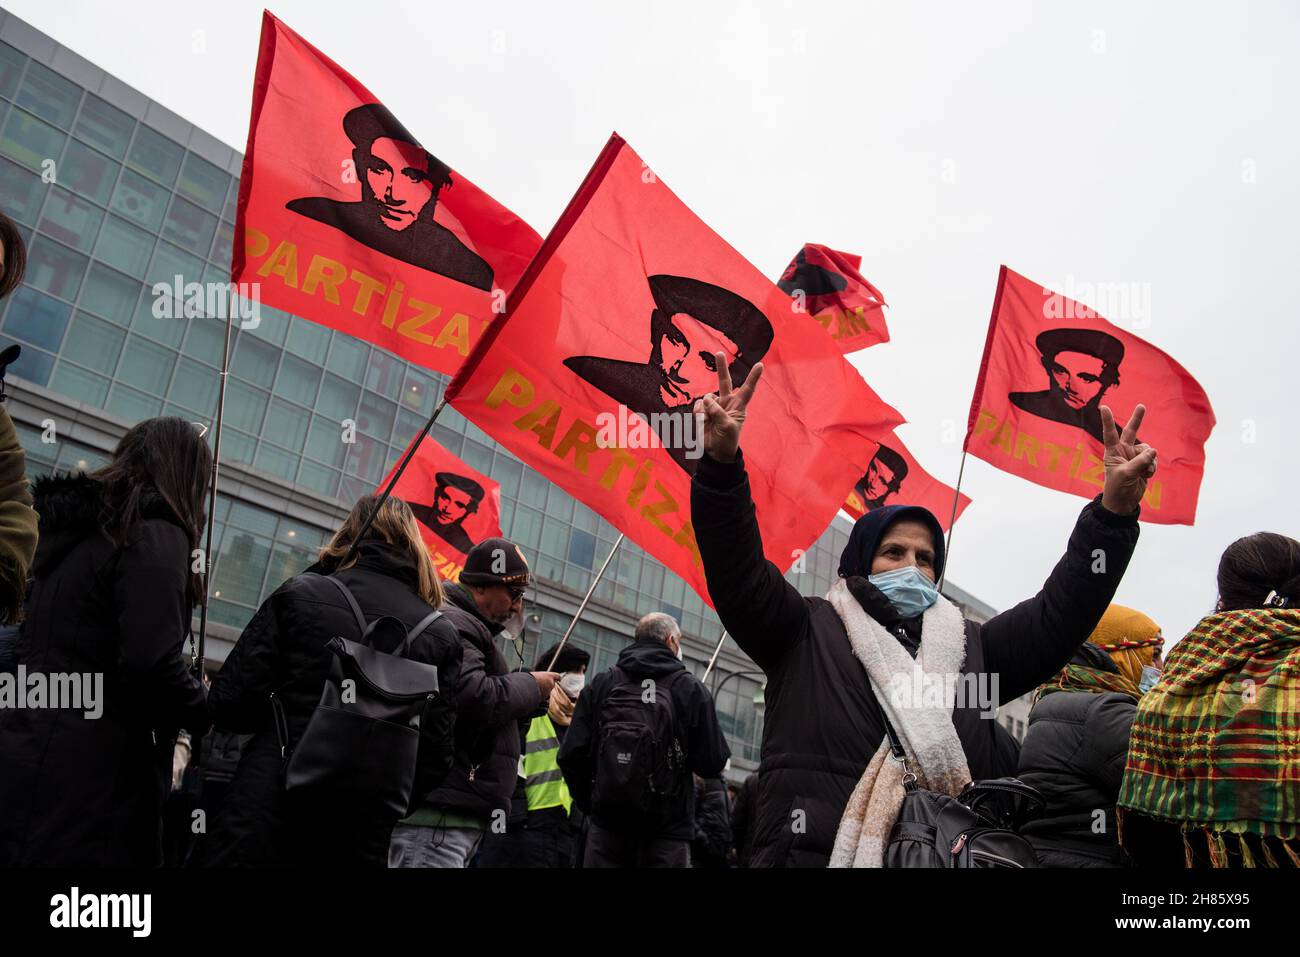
[
  {"x": 345, "y": 220},
  {"x": 827, "y": 285},
  {"x": 455, "y": 506},
  {"x": 894, "y": 477},
  {"x": 592, "y": 374},
  {"x": 1049, "y": 364}
]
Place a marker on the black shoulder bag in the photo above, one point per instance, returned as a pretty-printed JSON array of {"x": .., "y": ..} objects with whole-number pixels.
[{"x": 975, "y": 829}]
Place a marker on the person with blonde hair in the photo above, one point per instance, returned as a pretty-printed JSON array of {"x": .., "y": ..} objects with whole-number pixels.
[
  {"x": 281, "y": 662},
  {"x": 1077, "y": 742}
]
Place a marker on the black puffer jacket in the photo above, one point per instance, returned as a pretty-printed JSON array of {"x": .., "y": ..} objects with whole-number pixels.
[
  {"x": 282, "y": 650},
  {"x": 712, "y": 844},
  {"x": 80, "y": 792},
  {"x": 1074, "y": 753},
  {"x": 823, "y": 723},
  {"x": 490, "y": 701},
  {"x": 693, "y": 712}
]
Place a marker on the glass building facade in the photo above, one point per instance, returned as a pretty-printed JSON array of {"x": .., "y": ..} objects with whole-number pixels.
[{"x": 115, "y": 194}]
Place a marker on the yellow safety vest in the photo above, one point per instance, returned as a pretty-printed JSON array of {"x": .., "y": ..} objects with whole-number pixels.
[{"x": 543, "y": 783}]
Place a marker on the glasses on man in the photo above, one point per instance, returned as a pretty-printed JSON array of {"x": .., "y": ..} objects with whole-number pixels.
[{"x": 516, "y": 592}]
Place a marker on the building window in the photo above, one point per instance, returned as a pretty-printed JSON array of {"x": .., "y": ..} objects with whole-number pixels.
[
  {"x": 11, "y": 68},
  {"x": 155, "y": 155},
  {"x": 88, "y": 173},
  {"x": 203, "y": 183},
  {"x": 21, "y": 192},
  {"x": 71, "y": 219},
  {"x": 30, "y": 141},
  {"x": 124, "y": 247},
  {"x": 93, "y": 343},
  {"x": 54, "y": 268},
  {"x": 36, "y": 319},
  {"x": 104, "y": 126},
  {"x": 140, "y": 200},
  {"x": 49, "y": 95}
]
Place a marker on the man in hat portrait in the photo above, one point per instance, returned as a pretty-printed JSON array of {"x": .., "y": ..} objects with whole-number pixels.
[
  {"x": 690, "y": 322},
  {"x": 455, "y": 498},
  {"x": 883, "y": 478},
  {"x": 400, "y": 185},
  {"x": 1081, "y": 365}
]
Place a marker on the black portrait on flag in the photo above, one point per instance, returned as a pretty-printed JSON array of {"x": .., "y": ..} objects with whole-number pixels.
[
  {"x": 883, "y": 478},
  {"x": 400, "y": 184},
  {"x": 455, "y": 498},
  {"x": 1081, "y": 365},
  {"x": 691, "y": 321}
]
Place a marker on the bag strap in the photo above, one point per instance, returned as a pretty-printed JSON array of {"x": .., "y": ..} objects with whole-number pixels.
[
  {"x": 897, "y": 750},
  {"x": 351, "y": 600},
  {"x": 419, "y": 629}
]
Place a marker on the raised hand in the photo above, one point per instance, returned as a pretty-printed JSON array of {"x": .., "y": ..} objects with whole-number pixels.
[
  {"x": 1129, "y": 463},
  {"x": 723, "y": 415}
]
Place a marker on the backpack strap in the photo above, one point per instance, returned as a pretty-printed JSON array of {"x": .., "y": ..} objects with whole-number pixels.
[
  {"x": 351, "y": 600},
  {"x": 420, "y": 627}
]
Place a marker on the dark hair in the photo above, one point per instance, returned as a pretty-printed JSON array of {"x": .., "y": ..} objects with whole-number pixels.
[
  {"x": 571, "y": 658},
  {"x": 15, "y": 256},
  {"x": 162, "y": 458},
  {"x": 810, "y": 278},
  {"x": 734, "y": 316},
  {"x": 466, "y": 485},
  {"x": 1257, "y": 566},
  {"x": 891, "y": 460},
  {"x": 365, "y": 124},
  {"x": 1090, "y": 342}
]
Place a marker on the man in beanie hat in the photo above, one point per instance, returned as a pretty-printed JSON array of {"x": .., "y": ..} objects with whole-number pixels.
[
  {"x": 447, "y": 827},
  {"x": 885, "y": 642}
]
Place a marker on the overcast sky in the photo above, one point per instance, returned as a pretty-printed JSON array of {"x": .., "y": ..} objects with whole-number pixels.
[{"x": 1146, "y": 143}]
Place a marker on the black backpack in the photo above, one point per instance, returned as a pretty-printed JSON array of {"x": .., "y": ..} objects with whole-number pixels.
[
  {"x": 977, "y": 828},
  {"x": 362, "y": 740},
  {"x": 640, "y": 767}
]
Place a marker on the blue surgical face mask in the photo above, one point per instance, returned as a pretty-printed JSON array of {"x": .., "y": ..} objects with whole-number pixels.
[
  {"x": 907, "y": 589},
  {"x": 1150, "y": 675}
]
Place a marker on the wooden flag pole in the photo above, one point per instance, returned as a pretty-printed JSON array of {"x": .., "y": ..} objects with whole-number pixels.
[{"x": 583, "y": 607}]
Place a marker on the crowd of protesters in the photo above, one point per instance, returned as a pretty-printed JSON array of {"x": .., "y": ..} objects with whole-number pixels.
[{"x": 1135, "y": 758}]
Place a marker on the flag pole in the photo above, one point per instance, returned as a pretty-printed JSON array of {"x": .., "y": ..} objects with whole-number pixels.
[
  {"x": 952, "y": 521},
  {"x": 397, "y": 474},
  {"x": 716, "y": 652},
  {"x": 200, "y": 649},
  {"x": 581, "y": 608}
]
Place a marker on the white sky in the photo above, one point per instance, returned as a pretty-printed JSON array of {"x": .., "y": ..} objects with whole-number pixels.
[{"x": 1099, "y": 142}]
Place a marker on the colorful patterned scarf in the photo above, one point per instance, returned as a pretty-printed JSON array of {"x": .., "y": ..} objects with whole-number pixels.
[
  {"x": 1216, "y": 743},
  {"x": 1093, "y": 680}
]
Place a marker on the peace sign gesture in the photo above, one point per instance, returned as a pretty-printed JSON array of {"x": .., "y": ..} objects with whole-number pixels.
[
  {"x": 1129, "y": 463},
  {"x": 723, "y": 415}
]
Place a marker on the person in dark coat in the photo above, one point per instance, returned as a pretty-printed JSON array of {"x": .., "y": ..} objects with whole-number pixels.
[
  {"x": 653, "y": 655},
  {"x": 544, "y": 829},
  {"x": 823, "y": 722},
  {"x": 448, "y": 824},
  {"x": 83, "y": 785},
  {"x": 711, "y": 847},
  {"x": 1077, "y": 743},
  {"x": 282, "y": 653},
  {"x": 742, "y": 818}
]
